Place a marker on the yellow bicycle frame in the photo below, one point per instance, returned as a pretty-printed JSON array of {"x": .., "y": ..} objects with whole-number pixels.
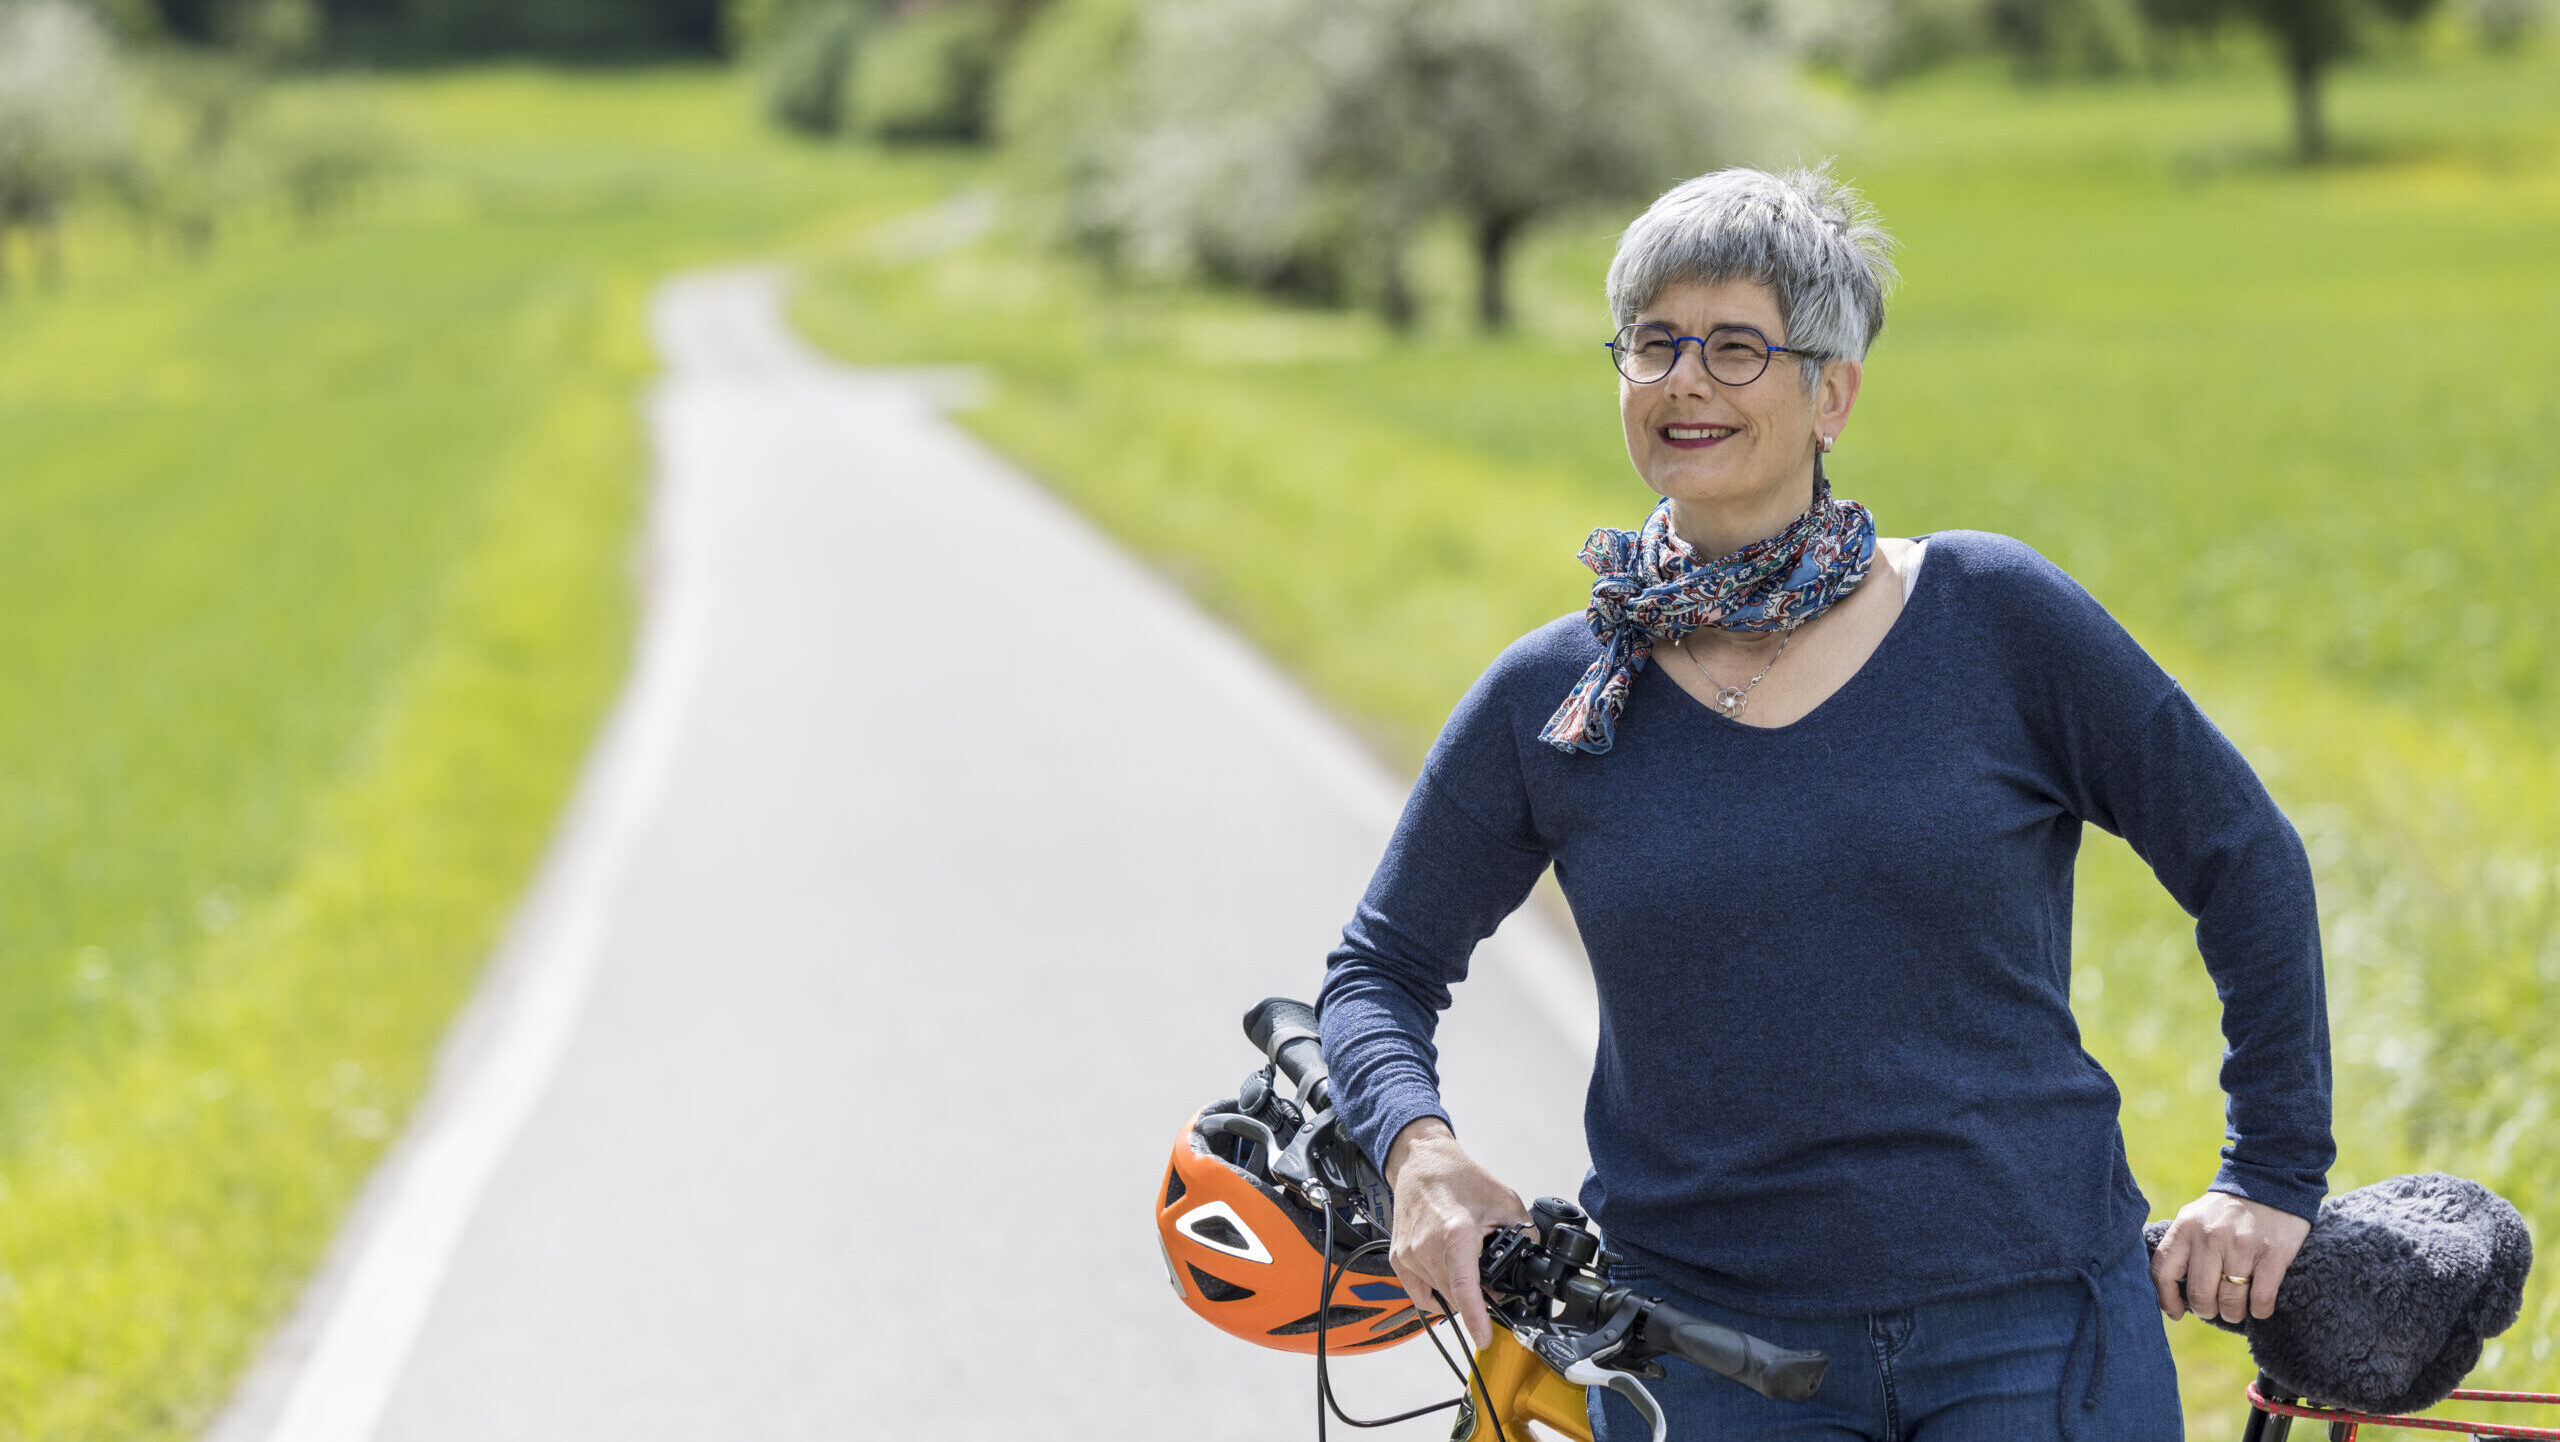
[{"x": 1517, "y": 1386}]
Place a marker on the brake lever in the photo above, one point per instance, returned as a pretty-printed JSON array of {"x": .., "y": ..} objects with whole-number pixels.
[
  {"x": 1252, "y": 1129},
  {"x": 1589, "y": 1359},
  {"x": 1592, "y": 1374},
  {"x": 1560, "y": 1350},
  {"x": 1294, "y": 1164},
  {"x": 1296, "y": 1161}
]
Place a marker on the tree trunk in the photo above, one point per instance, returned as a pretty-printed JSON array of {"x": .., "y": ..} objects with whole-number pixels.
[
  {"x": 1395, "y": 293},
  {"x": 1495, "y": 230},
  {"x": 2303, "y": 64}
]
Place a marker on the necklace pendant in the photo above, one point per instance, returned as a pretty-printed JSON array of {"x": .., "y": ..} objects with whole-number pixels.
[{"x": 1732, "y": 699}]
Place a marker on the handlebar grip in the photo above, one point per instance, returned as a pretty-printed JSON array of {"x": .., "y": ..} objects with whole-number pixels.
[
  {"x": 1285, "y": 1031},
  {"x": 1764, "y": 1367}
]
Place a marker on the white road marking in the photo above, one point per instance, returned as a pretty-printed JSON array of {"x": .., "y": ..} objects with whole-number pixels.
[{"x": 339, "y": 1392}]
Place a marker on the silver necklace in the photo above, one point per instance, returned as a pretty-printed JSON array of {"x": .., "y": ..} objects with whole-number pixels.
[{"x": 1731, "y": 699}]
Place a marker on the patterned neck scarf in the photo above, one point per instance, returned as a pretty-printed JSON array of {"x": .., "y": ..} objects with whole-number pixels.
[{"x": 1653, "y": 590}]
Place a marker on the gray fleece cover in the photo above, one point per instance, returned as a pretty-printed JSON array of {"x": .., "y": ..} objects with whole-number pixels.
[{"x": 2394, "y": 1291}]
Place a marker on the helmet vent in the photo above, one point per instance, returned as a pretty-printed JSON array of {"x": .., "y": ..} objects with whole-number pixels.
[
  {"x": 1217, "y": 1289},
  {"x": 1220, "y": 1231},
  {"x": 1216, "y": 1226},
  {"x": 1335, "y": 1316},
  {"x": 1173, "y": 1187}
]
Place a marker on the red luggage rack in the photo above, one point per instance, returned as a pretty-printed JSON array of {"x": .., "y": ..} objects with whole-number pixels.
[{"x": 2271, "y": 1419}]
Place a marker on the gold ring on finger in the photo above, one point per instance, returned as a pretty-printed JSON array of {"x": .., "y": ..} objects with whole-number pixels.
[{"x": 2235, "y": 1281}]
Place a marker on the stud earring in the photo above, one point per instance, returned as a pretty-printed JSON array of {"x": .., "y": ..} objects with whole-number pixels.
[{"x": 1826, "y": 444}]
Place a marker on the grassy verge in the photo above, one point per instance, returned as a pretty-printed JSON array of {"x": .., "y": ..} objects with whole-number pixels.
[
  {"x": 2293, "y": 427},
  {"x": 314, "y": 581}
]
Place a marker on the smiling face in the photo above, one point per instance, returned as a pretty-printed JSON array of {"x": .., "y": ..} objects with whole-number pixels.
[{"x": 1736, "y": 461}]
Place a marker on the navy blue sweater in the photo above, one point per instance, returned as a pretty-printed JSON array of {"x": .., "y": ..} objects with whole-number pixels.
[{"x": 1838, "y": 1070}]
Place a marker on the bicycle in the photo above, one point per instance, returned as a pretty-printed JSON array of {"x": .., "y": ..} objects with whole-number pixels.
[{"x": 1563, "y": 1325}]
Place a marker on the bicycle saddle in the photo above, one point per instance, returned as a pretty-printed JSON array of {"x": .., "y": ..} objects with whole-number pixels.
[{"x": 2395, "y": 1289}]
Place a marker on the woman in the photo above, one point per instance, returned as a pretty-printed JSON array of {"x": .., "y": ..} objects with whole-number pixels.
[{"x": 1815, "y": 805}]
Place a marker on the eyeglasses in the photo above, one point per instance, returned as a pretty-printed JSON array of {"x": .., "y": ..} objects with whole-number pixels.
[{"x": 1735, "y": 355}]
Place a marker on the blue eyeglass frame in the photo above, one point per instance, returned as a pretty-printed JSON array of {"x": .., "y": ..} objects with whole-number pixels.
[{"x": 1768, "y": 350}]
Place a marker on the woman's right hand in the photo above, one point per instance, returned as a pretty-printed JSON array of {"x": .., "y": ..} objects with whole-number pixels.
[{"x": 1445, "y": 1207}]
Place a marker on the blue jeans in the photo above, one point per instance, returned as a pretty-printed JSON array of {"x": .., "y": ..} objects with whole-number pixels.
[{"x": 1999, "y": 1368}]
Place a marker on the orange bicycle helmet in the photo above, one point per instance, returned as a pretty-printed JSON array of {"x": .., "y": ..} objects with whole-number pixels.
[{"x": 1249, "y": 1255}]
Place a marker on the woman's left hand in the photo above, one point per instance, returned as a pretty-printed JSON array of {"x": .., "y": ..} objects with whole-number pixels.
[{"x": 2216, "y": 1238}]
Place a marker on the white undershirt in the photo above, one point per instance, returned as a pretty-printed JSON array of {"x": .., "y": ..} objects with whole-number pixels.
[{"x": 1911, "y": 568}]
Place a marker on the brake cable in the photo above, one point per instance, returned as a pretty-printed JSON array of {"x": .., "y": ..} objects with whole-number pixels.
[{"x": 1328, "y": 1278}]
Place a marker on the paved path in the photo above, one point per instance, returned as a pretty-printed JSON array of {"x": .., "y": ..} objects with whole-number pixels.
[{"x": 822, "y": 1087}]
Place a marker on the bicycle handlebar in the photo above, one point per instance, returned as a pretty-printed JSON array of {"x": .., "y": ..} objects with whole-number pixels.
[
  {"x": 1285, "y": 1032},
  {"x": 1560, "y": 1271},
  {"x": 1552, "y": 1261},
  {"x": 1764, "y": 1367}
]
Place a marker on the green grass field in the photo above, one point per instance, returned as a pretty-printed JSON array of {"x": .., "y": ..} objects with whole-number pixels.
[
  {"x": 313, "y": 583},
  {"x": 315, "y": 577},
  {"x": 2296, "y": 428}
]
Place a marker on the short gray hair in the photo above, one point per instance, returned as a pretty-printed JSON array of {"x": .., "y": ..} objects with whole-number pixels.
[{"x": 1805, "y": 234}]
